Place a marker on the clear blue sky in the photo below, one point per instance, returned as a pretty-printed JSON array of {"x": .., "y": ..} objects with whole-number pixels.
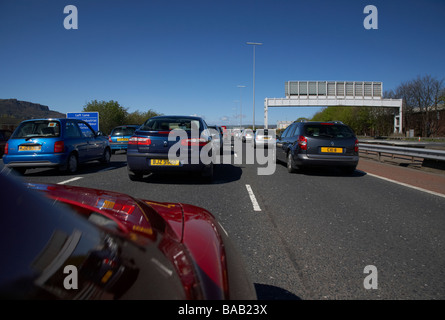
[{"x": 188, "y": 57}]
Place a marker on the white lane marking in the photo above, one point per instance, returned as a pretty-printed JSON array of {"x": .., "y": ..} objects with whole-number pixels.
[
  {"x": 407, "y": 185},
  {"x": 70, "y": 180},
  {"x": 256, "y": 206}
]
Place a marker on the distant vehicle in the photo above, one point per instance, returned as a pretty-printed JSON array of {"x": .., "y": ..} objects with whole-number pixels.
[
  {"x": 318, "y": 144},
  {"x": 4, "y": 136},
  {"x": 60, "y": 143},
  {"x": 117, "y": 246},
  {"x": 148, "y": 149},
  {"x": 247, "y": 135},
  {"x": 119, "y": 136},
  {"x": 217, "y": 136},
  {"x": 235, "y": 134},
  {"x": 264, "y": 139}
]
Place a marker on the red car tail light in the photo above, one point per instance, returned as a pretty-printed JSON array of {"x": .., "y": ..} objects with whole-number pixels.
[
  {"x": 115, "y": 206},
  {"x": 59, "y": 146},
  {"x": 140, "y": 141},
  {"x": 302, "y": 142},
  {"x": 356, "y": 145},
  {"x": 194, "y": 142}
]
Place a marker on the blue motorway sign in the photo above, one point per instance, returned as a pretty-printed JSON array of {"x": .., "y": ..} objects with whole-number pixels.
[{"x": 92, "y": 118}]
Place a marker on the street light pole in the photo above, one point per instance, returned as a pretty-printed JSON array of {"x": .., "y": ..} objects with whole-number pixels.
[
  {"x": 254, "y": 44},
  {"x": 240, "y": 106}
]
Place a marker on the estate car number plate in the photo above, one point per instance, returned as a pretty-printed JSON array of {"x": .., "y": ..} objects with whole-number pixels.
[
  {"x": 122, "y": 139},
  {"x": 164, "y": 162},
  {"x": 30, "y": 148},
  {"x": 331, "y": 150}
]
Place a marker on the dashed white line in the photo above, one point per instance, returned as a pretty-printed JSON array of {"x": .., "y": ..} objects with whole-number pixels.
[
  {"x": 70, "y": 180},
  {"x": 256, "y": 206}
]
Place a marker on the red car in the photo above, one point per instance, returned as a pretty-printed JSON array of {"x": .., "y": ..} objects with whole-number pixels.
[{"x": 65, "y": 242}]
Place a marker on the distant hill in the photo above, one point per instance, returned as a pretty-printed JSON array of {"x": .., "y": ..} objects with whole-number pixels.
[{"x": 13, "y": 111}]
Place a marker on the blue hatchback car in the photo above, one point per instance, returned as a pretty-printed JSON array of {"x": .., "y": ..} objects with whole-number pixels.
[
  {"x": 60, "y": 143},
  {"x": 119, "y": 136}
]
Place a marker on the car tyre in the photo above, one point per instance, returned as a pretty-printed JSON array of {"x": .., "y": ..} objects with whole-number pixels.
[
  {"x": 207, "y": 174},
  {"x": 290, "y": 164},
  {"x": 135, "y": 175},
  {"x": 72, "y": 163},
  {"x": 348, "y": 170},
  {"x": 106, "y": 156}
]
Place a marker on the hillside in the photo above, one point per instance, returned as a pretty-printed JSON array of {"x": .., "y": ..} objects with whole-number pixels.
[{"x": 13, "y": 111}]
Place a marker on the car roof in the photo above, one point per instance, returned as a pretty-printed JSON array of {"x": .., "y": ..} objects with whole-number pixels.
[
  {"x": 177, "y": 117},
  {"x": 53, "y": 119},
  {"x": 127, "y": 125},
  {"x": 321, "y": 122}
]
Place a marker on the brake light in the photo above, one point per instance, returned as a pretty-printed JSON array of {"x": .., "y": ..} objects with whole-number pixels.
[
  {"x": 140, "y": 141},
  {"x": 327, "y": 124},
  {"x": 356, "y": 145},
  {"x": 59, "y": 147},
  {"x": 194, "y": 142},
  {"x": 109, "y": 139},
  {"x": 6, "y": 148},
  {"x": 302, "y": 142}
]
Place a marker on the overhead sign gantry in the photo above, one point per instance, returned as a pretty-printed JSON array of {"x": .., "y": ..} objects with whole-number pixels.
[{"x": 335, "y": 93}]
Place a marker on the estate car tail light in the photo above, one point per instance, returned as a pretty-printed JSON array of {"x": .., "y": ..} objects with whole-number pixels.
[
  {"x": 59, "y": 147},
  {"x": 194, "y": 142},
  {"x": 109, "y": 139},
  {"x": 356, "y": 145},
  {"x": 6, "y": 148},
  {"x": 141, "y": 141},
  {"x": 302, "y": 142}
]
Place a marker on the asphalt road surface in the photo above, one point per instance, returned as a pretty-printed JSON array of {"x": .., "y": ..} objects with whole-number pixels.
[{"x": 308, "y": 235}]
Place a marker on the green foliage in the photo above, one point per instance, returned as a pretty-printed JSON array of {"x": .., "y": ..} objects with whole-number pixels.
[
  {"x": 112, "y": 114},
  {"x": 363, "y": 120},
  {"x": 139, "y": 117}
]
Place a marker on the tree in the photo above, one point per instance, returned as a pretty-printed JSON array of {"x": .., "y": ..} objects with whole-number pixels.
[
  {"x": 421, "y": 96},
  {"x": 111, "y": 114},
  {"x": 138, "y": 117}
]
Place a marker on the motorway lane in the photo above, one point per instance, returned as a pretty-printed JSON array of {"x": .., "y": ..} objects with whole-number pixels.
[
  {"x": 316, "y": 231},
  {"x": 334, "y": 226}
]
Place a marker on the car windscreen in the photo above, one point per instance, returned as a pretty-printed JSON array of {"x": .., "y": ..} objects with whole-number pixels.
[
  {"x": 328, "y": 131},
  {"x": 123, "y": 131},
  {"x": 167, "y": 124},
  {"x": 37, "y": 128}
]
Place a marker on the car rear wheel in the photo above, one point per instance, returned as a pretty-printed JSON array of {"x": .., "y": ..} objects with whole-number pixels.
[
  {"x": 72, "y": 163},
  {"x": 106, "y": 156},
  {"x": 207, "y": 174},
  {"x": 348, "y": 170},
  {"x": 290, "y": 164},
  {"x": 135, "y": 175}
]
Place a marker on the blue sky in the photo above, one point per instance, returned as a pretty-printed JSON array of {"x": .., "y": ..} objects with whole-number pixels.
[{"x": 188, "y": 57}]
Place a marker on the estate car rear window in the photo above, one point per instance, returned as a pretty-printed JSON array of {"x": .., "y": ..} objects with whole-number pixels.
[
  {"x": 38, "y": 128},
  {"x": 123, "y": 131},
  {"x": 328, "y": 131},
  {"x": 168, "y": 124}
]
